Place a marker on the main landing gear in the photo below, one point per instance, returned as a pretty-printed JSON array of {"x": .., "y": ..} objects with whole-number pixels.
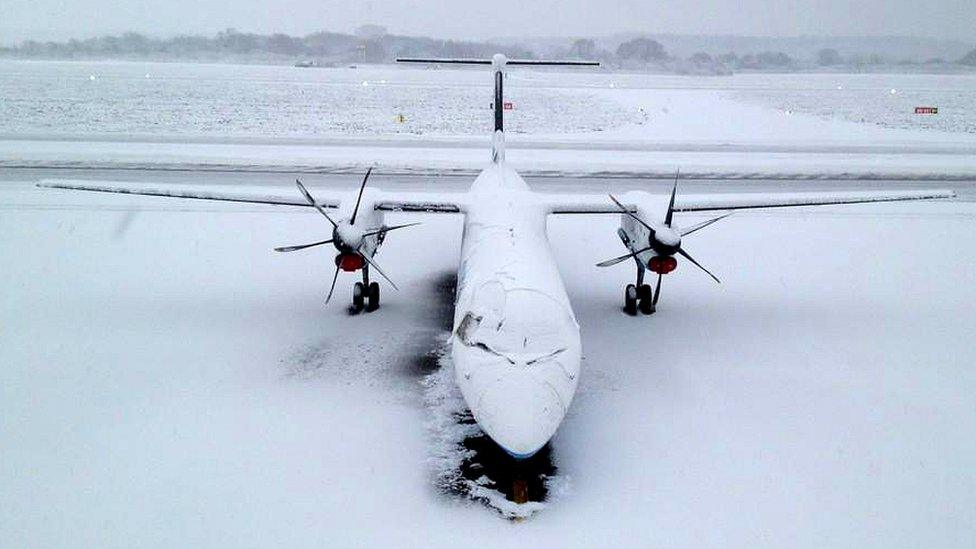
[
  {"x": 366, "y": 294},
  {"x": 639, "y": 297}
]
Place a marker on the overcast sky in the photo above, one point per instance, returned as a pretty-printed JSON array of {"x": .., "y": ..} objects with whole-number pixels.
[{"x": 60, "y": 19}]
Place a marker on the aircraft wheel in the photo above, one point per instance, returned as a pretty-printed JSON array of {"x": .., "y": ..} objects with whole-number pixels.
[
  {"x": 373, "y": 297},
  {"x": 646, "y": 297},
  {"x": 630, "y": 299},
  {"x": 358, "y": 296}
]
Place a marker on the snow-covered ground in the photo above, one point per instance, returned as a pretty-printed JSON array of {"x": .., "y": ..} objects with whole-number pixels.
[
  {"x": 166, "y": 379},
  {"x": 886, "y": 100},
  {"x": 291, "y": 119},
  {"x": 169, "y": 380}
]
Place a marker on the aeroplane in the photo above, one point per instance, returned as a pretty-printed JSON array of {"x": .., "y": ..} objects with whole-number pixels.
[{"x": 515, "y": 340}]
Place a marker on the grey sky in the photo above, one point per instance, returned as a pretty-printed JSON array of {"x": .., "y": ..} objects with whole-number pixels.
[{"x": 59, "y": 19}]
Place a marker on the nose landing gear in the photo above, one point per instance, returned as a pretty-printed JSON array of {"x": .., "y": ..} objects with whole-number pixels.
[
  {"x": 366, "y": 294},
  {"x": 639, "y": 297}
]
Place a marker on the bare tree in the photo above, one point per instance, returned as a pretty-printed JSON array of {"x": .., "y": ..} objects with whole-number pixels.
[
  {"x": 582, "y": 48},
  {"x": 969, "y": 59},
  {"x": 827, "y": 57}
]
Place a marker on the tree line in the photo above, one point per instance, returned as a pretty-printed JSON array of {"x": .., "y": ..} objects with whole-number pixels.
[
  {"x": 365, "y": 46},
  {"x": 372, "y": 44}
]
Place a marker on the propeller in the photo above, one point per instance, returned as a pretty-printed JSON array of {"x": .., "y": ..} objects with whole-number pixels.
[
  {"x": 664, "y": 239},
  {"x": 347, "y": 236},
  {"x": 308, "y": 196},
  {"x": 332, "y": 287},
  {"x": 302, "y": 246},
  {"x": 614, "y": 261}
]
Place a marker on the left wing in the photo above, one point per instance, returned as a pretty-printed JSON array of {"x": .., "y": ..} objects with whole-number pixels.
[
  {"x": 420, "y": 202},
  {"x": 383, "y": 200},
  {"x": 598, "y": 204},
  {"x": 197, "y": 192}
]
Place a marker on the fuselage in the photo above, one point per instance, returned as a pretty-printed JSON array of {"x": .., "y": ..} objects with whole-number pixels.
[{"x": 516, "y": 343}]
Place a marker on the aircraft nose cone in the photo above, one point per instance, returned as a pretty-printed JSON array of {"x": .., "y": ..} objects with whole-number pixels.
[{"x": 520, "y": 413}]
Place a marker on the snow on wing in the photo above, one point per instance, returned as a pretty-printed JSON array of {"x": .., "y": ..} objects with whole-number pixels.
[
  {"x": 594, "y": 204},
  {"x": 255, "y": 195},
  {"x": 329, "y": 198},
  {"x": 412, "y": 201}
]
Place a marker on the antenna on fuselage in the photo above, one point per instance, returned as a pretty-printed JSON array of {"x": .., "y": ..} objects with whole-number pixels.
[{"x": 498, "y": 63}]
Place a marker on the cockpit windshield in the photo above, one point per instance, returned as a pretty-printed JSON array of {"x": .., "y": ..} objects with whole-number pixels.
[{"x": 520, "y": 325}]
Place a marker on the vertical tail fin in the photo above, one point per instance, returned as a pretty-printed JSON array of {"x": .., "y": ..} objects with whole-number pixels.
[{"x": 498, "y": 63}]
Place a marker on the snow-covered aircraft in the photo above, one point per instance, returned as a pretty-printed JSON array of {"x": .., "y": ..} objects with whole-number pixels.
[{"x": 516, "y": 342}]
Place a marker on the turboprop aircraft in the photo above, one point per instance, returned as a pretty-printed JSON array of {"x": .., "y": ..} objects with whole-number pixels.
[{"x": 515, "y": 341}]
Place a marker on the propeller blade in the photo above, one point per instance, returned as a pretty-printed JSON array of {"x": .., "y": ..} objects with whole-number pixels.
[
  {"x": 674, "y": 191},
  {"x": 301, "y": 246},
  {"x": 377, "y": 267},
  {"x": 332, "y": 288},
  {"x": 657, "y": 290},
  {"x": 703, "y": 224},
  {"x": 614, "y": 261},
  {"x": 360, "y": 197},
  {"x": 308, "y": 196},
  {"x": 697, "y": 264},
  {"x": 388, "y": 229},
  {"x": 630, "y": 213}
]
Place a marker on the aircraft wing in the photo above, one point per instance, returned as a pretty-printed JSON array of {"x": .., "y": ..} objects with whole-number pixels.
[
  {"x": 420, "y": 202},
  {"x": 712, "y": 202},
  {"x": 593, "y": 204},
  {"x": 383, "y": 200},
  {"x": 284, "y": 197}
]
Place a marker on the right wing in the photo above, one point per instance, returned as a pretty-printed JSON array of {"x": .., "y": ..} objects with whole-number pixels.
[
  {"x": 743, "y": 201},
  {"x": 601, "y": 203}
]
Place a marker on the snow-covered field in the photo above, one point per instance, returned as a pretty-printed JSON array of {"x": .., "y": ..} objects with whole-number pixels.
[
  {"x": 169, "y": 380},
  {"x": 184, "y": 99},
  {"x": 122, "y": 99},
  {"x": 166, "y": 379},
  {"x": 886, "y": 100},
  {"x": 215, "y": 117}
]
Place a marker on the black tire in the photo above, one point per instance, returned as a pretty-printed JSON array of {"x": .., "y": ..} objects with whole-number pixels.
[
  {"x": 358, "y": 296},
  {"x": 630, "y": 299},
  {"x": 373, "y": 297},
  {"x": 646, "y": 298},
  {"x": 644, "y": 292}
]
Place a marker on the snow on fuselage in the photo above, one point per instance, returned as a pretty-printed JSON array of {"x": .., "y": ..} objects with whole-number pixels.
[{"x": 516, "y": 344}]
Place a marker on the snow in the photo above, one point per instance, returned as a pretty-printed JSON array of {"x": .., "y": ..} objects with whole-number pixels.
[
  {"x": 747, "y": 164},
  {"x": 166, "y": 379},
  {"x": 169, "y": 379},
  {"x": 885, "y": 100},
  {"x": 574, "y": 123},
  {"x": 188, "y": 99},
  {"x": 445, "y": 404}
]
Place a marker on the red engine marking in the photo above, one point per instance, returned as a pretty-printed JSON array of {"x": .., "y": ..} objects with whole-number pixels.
[
  {"x": 662, "y": 265},
  {"x": 349, "y": 262}
]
